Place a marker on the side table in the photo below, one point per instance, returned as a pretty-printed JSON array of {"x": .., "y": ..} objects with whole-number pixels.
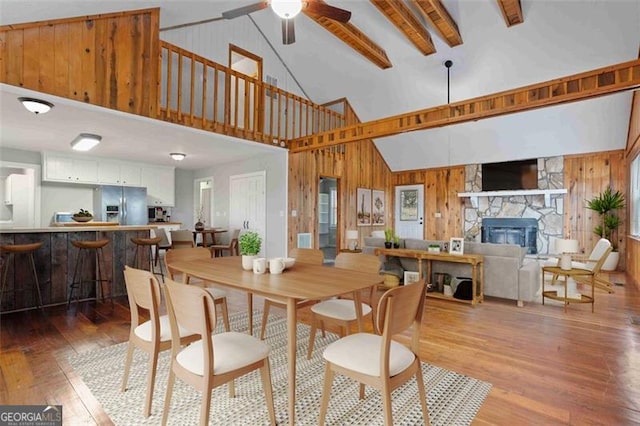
[{"x": 567, "y": 273}]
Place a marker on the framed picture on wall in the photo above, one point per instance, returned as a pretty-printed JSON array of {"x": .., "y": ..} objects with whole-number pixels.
[
  {"x": 363, "y": 206},
  {"x": 377, "y": 207},
  {"x": 409, "y": 204},
  {"x": 456, "y": 246}
]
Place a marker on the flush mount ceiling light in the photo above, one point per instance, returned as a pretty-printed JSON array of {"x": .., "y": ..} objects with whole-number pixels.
[
  {"x": 178, "y": 156},
  {"x": 286, "y": 9},
  {"x": 36, "y": 106},
  {"x": 85, "y": 141}
]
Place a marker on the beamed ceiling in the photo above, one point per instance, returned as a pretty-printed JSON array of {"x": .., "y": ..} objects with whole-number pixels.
[{"x": 388, "y": 60}]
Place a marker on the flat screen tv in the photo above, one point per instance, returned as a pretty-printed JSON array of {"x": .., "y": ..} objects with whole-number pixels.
[{"x": 510, "y": 175}]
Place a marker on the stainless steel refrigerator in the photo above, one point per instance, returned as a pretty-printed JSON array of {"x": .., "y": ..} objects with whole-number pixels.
[{"x": 123, "y": 204}]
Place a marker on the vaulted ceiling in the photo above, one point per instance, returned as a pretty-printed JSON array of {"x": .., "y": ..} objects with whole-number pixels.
[{"x": 494, "y": 45}]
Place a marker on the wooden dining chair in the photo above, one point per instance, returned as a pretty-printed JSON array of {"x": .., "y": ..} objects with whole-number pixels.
[
  {"x": 236, "y": 354},
  {"x": 310, "y": 256},
  {"x": 233, "y": 247},
  {"x": 375, "y": 359},
  {"x": 342, "y": 312},
  {"x": 182, "y": 238},
  {"x": 198, "y": 253},
  {"x": 152, "y": 336}
]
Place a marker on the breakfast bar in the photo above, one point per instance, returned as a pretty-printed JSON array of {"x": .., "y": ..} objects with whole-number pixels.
[{"x": 55, "y": 261}]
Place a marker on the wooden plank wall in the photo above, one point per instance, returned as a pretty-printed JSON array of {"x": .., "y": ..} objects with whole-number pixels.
[
  {"x": 110, "y": 60},
  {"x": 632, "y": 151},
  {"x": 585, "y": 176}
]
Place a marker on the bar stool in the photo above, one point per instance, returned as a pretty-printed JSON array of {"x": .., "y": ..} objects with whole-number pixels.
[
  {"x": 86, "y": 249},
  {"x": 20, "y": 249},
  {"x": 141, "y": 243}
]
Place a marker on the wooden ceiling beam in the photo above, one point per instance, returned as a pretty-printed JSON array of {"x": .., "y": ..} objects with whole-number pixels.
[
  {"x": 404, "y": 19},
  {"x": 511, "y": 11},
  {"x": 586, "y": 85},
  {"x": 435, "y": 12},
  {"x": 354, "y": 38}
]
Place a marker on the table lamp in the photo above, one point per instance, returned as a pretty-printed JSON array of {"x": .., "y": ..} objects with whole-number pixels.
[
  {"x": 352, "y": 238},
  {"x": 565, "y": 248}
]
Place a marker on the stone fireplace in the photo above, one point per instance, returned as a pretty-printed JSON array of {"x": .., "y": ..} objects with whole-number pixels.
[{"x": 519, "y": 231}]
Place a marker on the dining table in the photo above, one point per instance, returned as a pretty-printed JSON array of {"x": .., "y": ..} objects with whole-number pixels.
[
  {"x": 300, "y": 282},
  {"x": 207, "y": 231}
]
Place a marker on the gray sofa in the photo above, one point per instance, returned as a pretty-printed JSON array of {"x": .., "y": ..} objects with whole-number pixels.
[{"x": 507, "y": 274}]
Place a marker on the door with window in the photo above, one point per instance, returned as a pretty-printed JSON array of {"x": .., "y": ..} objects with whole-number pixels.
[
  {"x": 247, "y": 204},
  {"x": 409, "y": 211}
]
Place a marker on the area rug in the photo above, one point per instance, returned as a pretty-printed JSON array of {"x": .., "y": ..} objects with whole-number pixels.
[{"x": 453, "y": 399}]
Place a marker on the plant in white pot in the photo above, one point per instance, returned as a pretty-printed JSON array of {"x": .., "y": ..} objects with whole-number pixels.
[
  {"x": 605, "y": 204},
  {"x": 250, "y": 244}
]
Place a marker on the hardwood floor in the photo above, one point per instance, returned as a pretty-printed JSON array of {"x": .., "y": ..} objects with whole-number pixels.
[{"x": 546, "y": 366}]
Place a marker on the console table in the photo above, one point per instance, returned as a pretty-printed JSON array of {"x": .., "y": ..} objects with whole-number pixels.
[{"x": 475, "y": 260}]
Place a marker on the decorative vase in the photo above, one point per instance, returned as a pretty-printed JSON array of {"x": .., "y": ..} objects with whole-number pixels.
[
  {"x": 611, "y": 262},
  {"x": 387, "y": 244},
  {"x": 199, "y": 226},
  {"x": 247, "y": 262}
]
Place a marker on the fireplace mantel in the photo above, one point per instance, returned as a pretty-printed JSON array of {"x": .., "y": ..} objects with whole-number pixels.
[{"x": 473, "y": 196}]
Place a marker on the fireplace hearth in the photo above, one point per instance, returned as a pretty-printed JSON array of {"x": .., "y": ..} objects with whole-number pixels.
[{"x": 520, "y": 231}]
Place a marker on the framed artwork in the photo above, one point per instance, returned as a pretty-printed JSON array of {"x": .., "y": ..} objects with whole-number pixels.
[
  {"x": 363, "y": 200},
  {"x": 409, "y": 204},
  {"x": 411, "y": 277},
  {"x": 378, "y": 206},
  {"x": 456, "y": 246}
]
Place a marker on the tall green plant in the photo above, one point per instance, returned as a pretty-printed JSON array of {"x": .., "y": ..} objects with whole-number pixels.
[{"x": 605, "y": 204}]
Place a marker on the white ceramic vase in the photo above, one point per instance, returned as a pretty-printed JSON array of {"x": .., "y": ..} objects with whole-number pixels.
[
  {"x": 611, "y": 263},
  {"x": 247, "y": 262}
]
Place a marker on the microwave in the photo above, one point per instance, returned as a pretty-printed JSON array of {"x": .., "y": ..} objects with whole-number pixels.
[{"x": 62, "y": 217}]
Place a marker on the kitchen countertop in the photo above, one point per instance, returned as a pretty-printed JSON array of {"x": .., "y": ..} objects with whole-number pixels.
[
  {"x": 87, "y": 228},
  {"x": 165, "y": 223}
]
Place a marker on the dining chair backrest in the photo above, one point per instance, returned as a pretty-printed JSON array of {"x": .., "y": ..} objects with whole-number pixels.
[
  {"x": 306, "y": 255},
  {"x": 182, "y": 238},
  {"x": 193, "y": 253},
  {"x": 143, "y": 290},
  {"x": 164, "y": 240},
  {"x": 399, "y": 309},
  {"x": 358, "y": 262}
]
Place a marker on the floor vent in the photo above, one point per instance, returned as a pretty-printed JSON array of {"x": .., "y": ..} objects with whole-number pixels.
[
  {"x": 619, "y": 284},
  {"x": 635, "y": 320}
]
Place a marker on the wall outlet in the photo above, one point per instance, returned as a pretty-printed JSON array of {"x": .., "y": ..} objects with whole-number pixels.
[
  {"x": 438, "y": 214},
  {"x": 294, "y": 213}
]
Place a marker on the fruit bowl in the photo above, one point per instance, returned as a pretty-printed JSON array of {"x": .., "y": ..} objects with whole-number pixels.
[{"x": 82, "y": 218}]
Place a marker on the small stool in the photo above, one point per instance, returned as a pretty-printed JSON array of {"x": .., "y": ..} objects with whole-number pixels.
[
  {"x": 141, "y": 243},
  {"x": 86, "y": 247},
  {"x": 17, "y": 249}
]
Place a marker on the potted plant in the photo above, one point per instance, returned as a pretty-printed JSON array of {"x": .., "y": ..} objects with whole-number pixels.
[
  {"x": 250, "y": 244},
  {"x": 396, "y": 241},
  {"x": 388, "y": 238},
  {"x": 433, "y": 248},
  {"x": 605, "y": 204}
]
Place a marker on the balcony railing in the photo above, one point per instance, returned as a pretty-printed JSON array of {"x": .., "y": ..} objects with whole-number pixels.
[{"x": 200, "y": 93}]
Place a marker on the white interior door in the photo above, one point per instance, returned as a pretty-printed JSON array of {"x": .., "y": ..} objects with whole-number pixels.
[
  {"x": 247, "y": 203},
  {"x": 409, "y": 211}
]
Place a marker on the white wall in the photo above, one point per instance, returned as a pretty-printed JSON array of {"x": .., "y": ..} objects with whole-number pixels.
[
  {"x": 64, "y": 198},
  {"x": 183, "y": 210},
  {"x": 275, "y": 165}
]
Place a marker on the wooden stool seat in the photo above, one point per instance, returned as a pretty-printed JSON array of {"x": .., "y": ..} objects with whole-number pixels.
[
  {"x": 12, "y": 251},
  {"x": 20, "y": 248},
  {"x": 146, "y": 241},
  {"x": 90, "y": 244}
]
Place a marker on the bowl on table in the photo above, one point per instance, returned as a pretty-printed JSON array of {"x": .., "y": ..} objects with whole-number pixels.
[
  {"x": 289, "y": 262},
  {"x": 82, "y": 218}
]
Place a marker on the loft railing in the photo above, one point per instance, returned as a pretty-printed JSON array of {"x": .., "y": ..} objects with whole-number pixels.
[{"x": 200, "y": 93}]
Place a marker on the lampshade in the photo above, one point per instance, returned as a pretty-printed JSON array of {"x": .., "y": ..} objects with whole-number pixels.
[
  {"x": 36, "y": 106},
  {"x": 566, "y": 246},
  {"x": 352, "y": 234},
  {"x": 85, "y": 141},
  {"x": 286, "y": 9},
  {"x": 178, "y": 156}
]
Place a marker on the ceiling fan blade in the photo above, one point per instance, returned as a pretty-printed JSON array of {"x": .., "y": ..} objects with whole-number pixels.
[
  {"x": 245, "y": 10},
  {"x": 323, "y": 9},
  {"x": 288, "y": 31}
]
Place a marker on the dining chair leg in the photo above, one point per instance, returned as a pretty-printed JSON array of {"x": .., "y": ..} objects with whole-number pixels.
[
  {"x": 361, "y": 391},
  {"x": 167, "y": 397},
  {"x": 386, "y": 404},
  {"x": 422, "y": 393},
  {"x": 206, "y": 405},
  {"x": 312, "y": 335},
  {"x": 326, "y": 392},
  {"x": 225, "y": 313},
  {"x": 127, "y": 366},
  {"x": 153, "y": 364},
  {"x": 267, "y": 390},
  {"x": 265, "y": 318},
  {"x": 231, "y": 387}
]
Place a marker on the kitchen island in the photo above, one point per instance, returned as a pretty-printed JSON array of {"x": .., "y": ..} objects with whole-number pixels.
[{"x": 56, "y": 259}]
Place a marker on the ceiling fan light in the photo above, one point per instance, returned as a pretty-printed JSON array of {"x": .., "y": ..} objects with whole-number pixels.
[
  {"x": 85, "y": 141},
  {"x": 178, "y": 156},
  {"x": 36, "y": 106},
  {"x": 286, "y": 9}
]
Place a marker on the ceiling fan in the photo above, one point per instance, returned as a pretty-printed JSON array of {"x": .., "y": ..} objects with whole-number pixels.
[{"x": 288, "y": 9}]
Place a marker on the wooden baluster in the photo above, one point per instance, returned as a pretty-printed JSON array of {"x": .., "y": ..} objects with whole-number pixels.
[
  {"x": 180, "y": 87},
  {"x": 246, "y": 106},
  {"x": 204, "y": 95},
  {"x": 169, "y": 77},
  {"x": 192, "y": 85},
  {"x": 215, "y": 95}
]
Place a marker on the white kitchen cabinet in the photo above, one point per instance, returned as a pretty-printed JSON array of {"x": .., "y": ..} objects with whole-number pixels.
[
  {"x": 68, "y": 169},
  {"x": 14, "y": 186},
  {"x": 112, "y": 172},
  {"x": 160, "y": 184}
]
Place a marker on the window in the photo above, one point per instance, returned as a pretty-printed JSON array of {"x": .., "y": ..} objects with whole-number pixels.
[{"x": 634, "y": 202}]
